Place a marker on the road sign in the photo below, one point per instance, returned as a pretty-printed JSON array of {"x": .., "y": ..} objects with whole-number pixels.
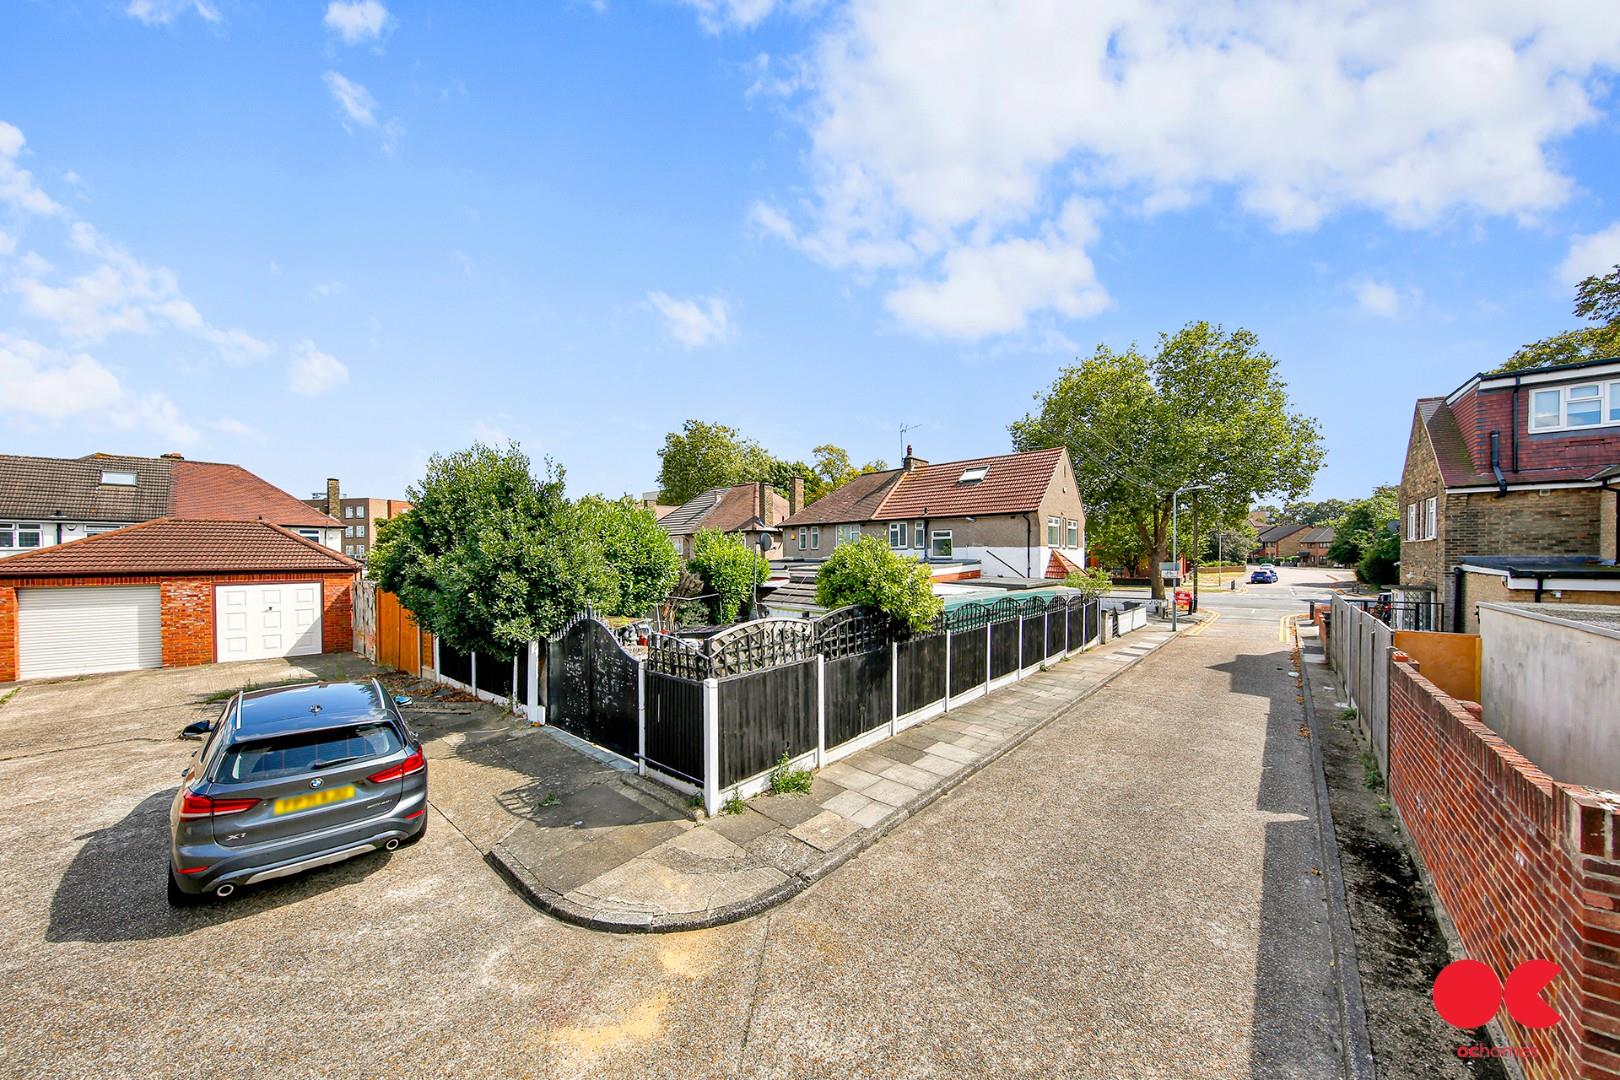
[{"x": 1170, "y": 568}]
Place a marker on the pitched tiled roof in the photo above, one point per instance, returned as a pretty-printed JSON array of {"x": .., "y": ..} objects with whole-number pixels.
[
  {"x": 1323, "y": 535},
  {"x": 206, "y": 490},
  {"x": 1279, "y": 532},
  {"x": 36, "y": 488},
  {"x": 1457, "y": 466},
  {"x": 1012, "y": 484},
  {"x": 176, "y": 546},
  {"x": 856, "y": 500},
  {"x": 725, "y": 509}
]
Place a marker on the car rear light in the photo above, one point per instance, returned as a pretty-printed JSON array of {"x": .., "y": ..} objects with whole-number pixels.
[
  {"x": 415, "y": 763},
  {"x": 194, "y": 870},
  {"x": 193, "y": 805}
]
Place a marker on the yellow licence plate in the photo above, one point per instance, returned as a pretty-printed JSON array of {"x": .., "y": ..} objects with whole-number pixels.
[{"x": 295, "y": 803}]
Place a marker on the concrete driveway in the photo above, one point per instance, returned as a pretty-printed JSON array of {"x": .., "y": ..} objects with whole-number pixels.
[{"x": 1129, "y": 893}]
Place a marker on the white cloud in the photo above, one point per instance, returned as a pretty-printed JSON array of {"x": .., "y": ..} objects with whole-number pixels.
[
  {"x": 8, "y": 243},
  {"x": 693, "y": 323},
  {"x": 120, "y": 295},
  {"x": 1377, "y": 297},
  {"x": 1597, "y": 253},
  {"x": 238, "y": 430},
  {"x": 930, "y": 136},
  {"x": 991, "y": 288},
  {"x": 162, "y": 12},
  {"x": 360, "y": 108},
  {"x": 716, "y": 16},
  {"x": 17, "y": 185},
  {"x": 48, "y": 384},
  {"x": 315, "y": 372},
  {"x": 356, "y": 20}
]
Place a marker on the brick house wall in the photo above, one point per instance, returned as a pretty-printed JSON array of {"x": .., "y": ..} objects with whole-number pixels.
[
  {"x": 187, "y": 606},
  {"x": 1525, "y": 868},
  {"x": 1479, "y": 588},
  {"x": 1423, "y": 562}
]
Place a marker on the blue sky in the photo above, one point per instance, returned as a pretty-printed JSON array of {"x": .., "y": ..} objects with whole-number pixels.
[{"x": 332, "y": 239}]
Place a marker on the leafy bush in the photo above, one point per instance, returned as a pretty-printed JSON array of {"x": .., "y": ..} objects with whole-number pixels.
[
  {"x": 1091, "y": 583},
  {"x": 730, "y": 569},
  {"x": 1378, "y": 565},
  {"x": 870, "y": 574},
  {"x": 644, "y": 563},
  {"x": 786, "y": 780}
]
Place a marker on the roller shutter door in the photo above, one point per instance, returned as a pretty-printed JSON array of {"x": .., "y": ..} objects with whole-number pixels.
[{"x": 88, "y": 630}]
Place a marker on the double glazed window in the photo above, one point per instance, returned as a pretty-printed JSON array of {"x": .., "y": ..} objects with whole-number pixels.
[
  {"x": 941, "y": 546},
  {"x": 1054, "y": 531},
  {"x": 917, "y": 529},
  {"x": 17, "y": 534},
  {"x": 1074, "y": 533},
  {"x": 1431, "y": 518},
  {"x": 1585, "y": 405},
  {"x": 899, "y": 534}
]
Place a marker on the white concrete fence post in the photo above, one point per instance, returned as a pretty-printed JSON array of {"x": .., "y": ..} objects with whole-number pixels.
[
  {"x": 711, "y": 747},
  {"x": 947, "y": 671},
  {"x": 894, "y": 687},
  {"x": 641, "y": 717},
  {"x": 821, "y": 710},
  {"x": 537, "y": 712}
]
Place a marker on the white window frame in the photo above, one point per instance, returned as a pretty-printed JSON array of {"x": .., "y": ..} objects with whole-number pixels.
[
  {"x": 119, "y": 477},
  {"x": 804, "y": 538},
  {"x": 1054, "y": 532},
  {"x": 1607, "y": 398},
  {"x": 360, "y": 531},
  {"x": 1431, "y": 514},
  {"x": 815, "y": 538},
  {"x": 309, "y": 534},
  {"x": 1071, "y": 534},
  {"x": 919, "y": 538},
  {"x": 13, "y": 531},
  {"x": 360, "y": 511},
  {"x": 933, "y": 544},
  {"x": 899, "y": 535},
  {"x": 1411, "y": 521}
]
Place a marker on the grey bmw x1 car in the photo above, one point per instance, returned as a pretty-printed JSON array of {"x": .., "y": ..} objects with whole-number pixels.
[{"x": 294, "y": 778}]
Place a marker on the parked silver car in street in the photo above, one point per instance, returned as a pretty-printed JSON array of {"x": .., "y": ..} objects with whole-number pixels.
[{"x": 294, "y": 778}]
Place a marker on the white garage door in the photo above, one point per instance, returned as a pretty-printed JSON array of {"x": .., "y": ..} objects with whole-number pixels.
[
  {"x": 82, "y": 631},
  {"x": 252, "y": 622}
]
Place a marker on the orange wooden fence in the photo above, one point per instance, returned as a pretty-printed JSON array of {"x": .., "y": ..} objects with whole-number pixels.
[{"x": 401, "y": 643}]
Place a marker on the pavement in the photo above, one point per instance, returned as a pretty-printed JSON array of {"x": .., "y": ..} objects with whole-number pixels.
[
  {"x": 599, "y": 846},
  {"x": 1126, "y": 893}
]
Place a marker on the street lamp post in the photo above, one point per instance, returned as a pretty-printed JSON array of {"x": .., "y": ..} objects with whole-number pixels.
[{"x": 1175, "y": 547}]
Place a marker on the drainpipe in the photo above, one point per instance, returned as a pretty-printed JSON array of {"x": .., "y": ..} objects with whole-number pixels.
[
  {"x": 1541, "y": 583},
  {"x": 1496, "y": 464},
  {"x": 1516, "y": 380},
  {"x": 1458, "y": 584}
]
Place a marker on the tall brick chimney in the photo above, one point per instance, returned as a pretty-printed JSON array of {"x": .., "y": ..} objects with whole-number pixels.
[
  {"x": 910, "y": 462},
  {"x": 796, "y": 496},
  {"x": 762, "y": 501},
  {"x": 334, "y": 497}
]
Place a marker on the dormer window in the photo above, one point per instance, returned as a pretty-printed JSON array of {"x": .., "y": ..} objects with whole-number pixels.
[
  {"x": 974, "y": 475},
  {"x": 1580, "y": 406},
  {"x": 117, "y": 478}
]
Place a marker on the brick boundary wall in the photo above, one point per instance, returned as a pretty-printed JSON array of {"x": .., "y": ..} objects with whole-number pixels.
[
  {"x": 1525, "y": 867},
  {"x": 188, "y": 611}
]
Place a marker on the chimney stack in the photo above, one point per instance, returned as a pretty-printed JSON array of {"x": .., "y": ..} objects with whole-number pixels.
[
  {"x": 910, "y": 462},
  {"x": 796, "y": 496},
  {"x": 763, "y": 502},
  {"x": 334, "y": 497}
]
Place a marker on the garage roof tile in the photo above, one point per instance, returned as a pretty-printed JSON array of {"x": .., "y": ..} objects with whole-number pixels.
[{"x": 178, "y": 546}]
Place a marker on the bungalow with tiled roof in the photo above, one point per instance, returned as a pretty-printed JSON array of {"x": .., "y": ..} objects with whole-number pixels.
[
  {"x": 172, "y": 592},
  {"x": 1017, "y": 515},
  {"x": 1515, "y": 468},
  {"x": 754, "y": 510}
]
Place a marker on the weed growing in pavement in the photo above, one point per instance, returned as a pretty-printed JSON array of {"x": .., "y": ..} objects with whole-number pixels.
[
  {"x": 1348, "y": 715},
  {"x": 550, "y": 800},
  {"x": 8, "y": 695},
  {"x": 1371, "y": 775},
  {"x": 733, "y": 805},
  {"x": 786, "y": 780}
]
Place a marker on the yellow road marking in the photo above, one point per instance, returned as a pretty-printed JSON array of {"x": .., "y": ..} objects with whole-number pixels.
[
  {"x": 1285, "y": 628},
  {"x": 1205, "y": 625}
]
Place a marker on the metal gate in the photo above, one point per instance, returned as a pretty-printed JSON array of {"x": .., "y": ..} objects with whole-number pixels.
[{"x": 591, "y": 682}]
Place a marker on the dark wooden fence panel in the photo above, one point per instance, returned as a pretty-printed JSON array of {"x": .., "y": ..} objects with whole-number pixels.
[
  {"x": 922, "y": 672},
  {"x": 495, "y": 675},
  {"x": 1092, "y": 610},
  {"x": 455, "y": 665},
  {"x": 857, "y": 695},
  {"x": 1054, "y": 631},
  {"x": 520, "y": 685},
  {"x": 764, "y": 714},
  {"x": 1076, "y": 619},
  {"x": 1003, "y": 648},
  {"x": 968, "y": 659},
  {"x": 1034, "y": 631},
  {"x": 675, "y": 726}
]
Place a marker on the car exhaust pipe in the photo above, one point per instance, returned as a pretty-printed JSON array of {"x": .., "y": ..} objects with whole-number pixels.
[
  {"x": 392, "y": 845},
  {"x": 224, "y": 891}
]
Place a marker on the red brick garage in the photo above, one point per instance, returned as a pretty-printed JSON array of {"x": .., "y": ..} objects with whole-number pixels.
[{"x": 161, "y": 587}]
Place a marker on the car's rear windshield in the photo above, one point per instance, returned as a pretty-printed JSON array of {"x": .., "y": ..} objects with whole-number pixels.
[{"x": 304, "y": 752}]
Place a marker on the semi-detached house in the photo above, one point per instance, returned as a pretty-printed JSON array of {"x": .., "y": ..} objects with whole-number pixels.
[
  {"x": 1016, "y": 515},
  {"x": 1509, "y": 491}
]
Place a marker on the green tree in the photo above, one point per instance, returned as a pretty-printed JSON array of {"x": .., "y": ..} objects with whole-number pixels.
[
  {"x": 1362, "y": 522},
  {"x": 868, "y": 573},
  {"x": 1313, "y": 514},
  {"x": 702, "y": 456},
  {"x": 833, "y": 469},
  {"x": 1231, "y": 540},
  {"x": 1597, "y": 299},
  {"x": 1207, "y": 407},
  {"x": 639, "y": 554},
  {"x": 491, "y": 556},
  {"x": 1090, "y": 584},
  {"x": 1380, "y": 561},
  {"x": 730, "y": 569}
]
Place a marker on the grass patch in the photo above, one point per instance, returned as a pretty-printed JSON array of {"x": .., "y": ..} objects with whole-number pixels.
[
  {"x": 733, "y": 805},
  {"x": 8, "y": 695},
  {"x": 1348, "y": 715},
  {"x": 219, "y": 697},
  {"x": 550, "y": 800},
  {"x": 786, "y": 780},
  {"x": 1371, "y": 775}
]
